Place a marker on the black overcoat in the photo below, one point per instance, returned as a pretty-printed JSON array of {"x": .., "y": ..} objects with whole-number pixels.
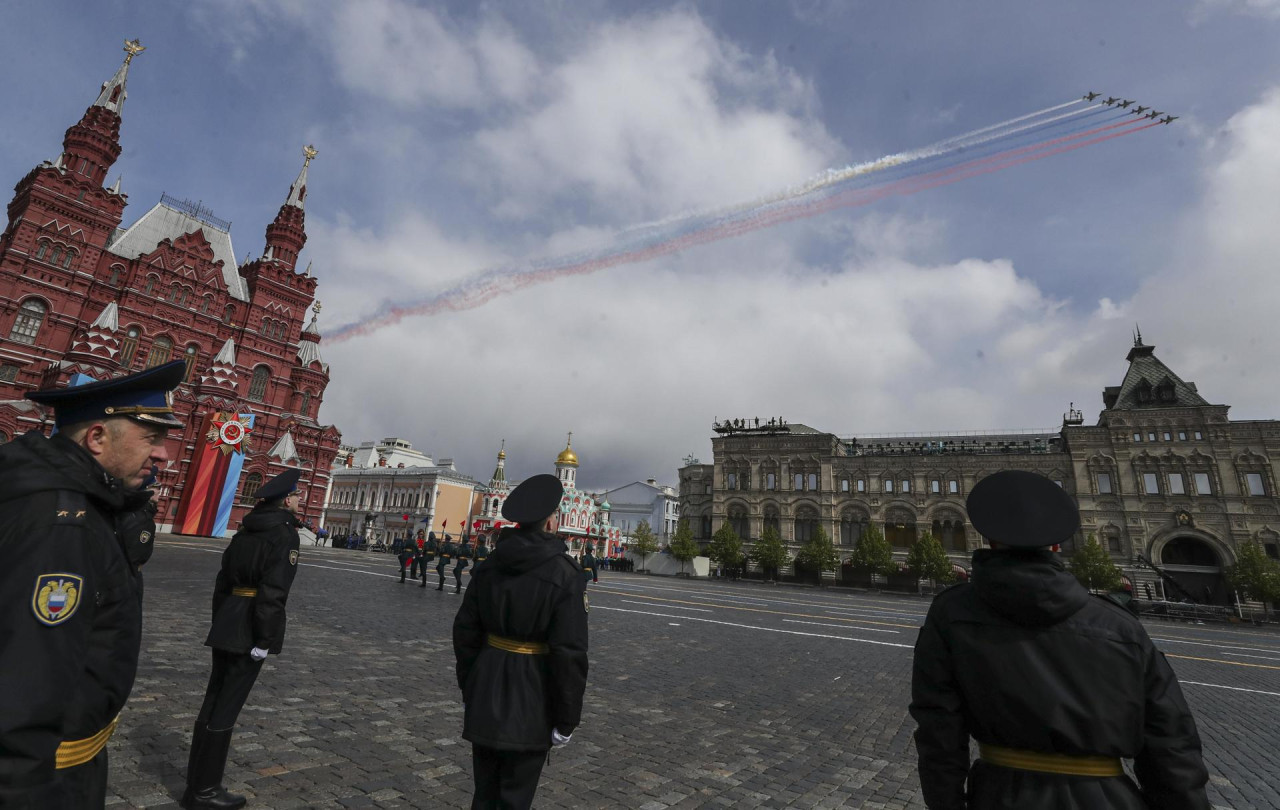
[
  {"x": 528, "y": 590},
  {"x": 72, "y": 618},
  {"x": 262, "y": 556},
  {"x": 1023, "y": 657}
]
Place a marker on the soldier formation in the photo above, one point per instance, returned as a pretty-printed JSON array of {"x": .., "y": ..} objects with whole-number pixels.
[{"x": 1056, "y": 687}]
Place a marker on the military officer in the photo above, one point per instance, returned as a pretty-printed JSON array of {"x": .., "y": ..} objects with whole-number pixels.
[
  {"x": 69, "y": 593},
  {"x": 520, "y": 640},
  {"x": 589, "y": 566},
  {"x": 447, "y": 551},
  {"x": 1056, "y": 686},
  {"x": 429, "y": 552},
  {"x": 463, "y": 560},
  {"x": 409, "y": 555},
  {"x": 481, "y": 553},
  {"x": 248, "y": 624}
]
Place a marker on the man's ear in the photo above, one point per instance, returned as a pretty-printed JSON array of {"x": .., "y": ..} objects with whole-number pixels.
[{"x": 96, "y": 439}]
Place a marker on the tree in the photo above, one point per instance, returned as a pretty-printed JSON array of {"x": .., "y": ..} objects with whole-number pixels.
[
  {"x": 769, "y": 553},
  {"x": 818, "y": 554},
  {"x": 643, "y": 542},
  {"x": 1255, "y": 574},
  {"x": 873, "y": 554},
  {"x": 725, "y": 547},
  {"x": 1092, "y": 565},
  {"x": 928, "y": 560},
  {"x": 683, "y": 547}
]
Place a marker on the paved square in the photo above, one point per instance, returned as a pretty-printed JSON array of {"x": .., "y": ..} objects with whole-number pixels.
[{"x": 701, "y": 694}]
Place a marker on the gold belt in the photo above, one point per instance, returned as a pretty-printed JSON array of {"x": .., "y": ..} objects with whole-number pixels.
[
  {"x": 244, "y": 591},
  {"x": 77, "y": 752},
  {"x": 523, "y": 647},
  {"x": 584, "y": 568},
  {"x": 1065, "y": 764}
]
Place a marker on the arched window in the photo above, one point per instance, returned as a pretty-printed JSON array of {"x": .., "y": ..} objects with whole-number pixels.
[
  {"x": 44, "y": 248},
  {"x": 771, "y": 519},
  {"x": 738, "y": 522},
  {"x": 798, "y": 483},
  {"x": 248, "y": 491},
  {"x": 161, "y": 350},
  {"x": 116, "y": 273},
  {"x": 129, "y": 346},
  {"x": 852, "y": 522},
  {"x": 206, "y": 304},
  {"x": 27, "y": 324},
  {"x": 305, "y": 407},
  {"x": 56, "y": 256},
  {"x": 66, "y": 263},
  {"x": 150, "y": 286},
  {"x": 812, "y": 485},
  {"x": 265, "y": 329},
  {"x": 228, "y": 313},
  {"x": 190, "y": 355},
  {"x": 258, "y": 386},
  {"x": 806, "y": 524}
]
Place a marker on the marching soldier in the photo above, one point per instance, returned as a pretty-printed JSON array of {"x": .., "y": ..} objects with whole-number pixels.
[
  {"x": 1056, "y": 686},
  {"x": 447, "y": 550},
  {"x": 520, "y": 640},
  {"x": 589, "y": 566},
  {"x": 464, "y": 554},
  {"x": 429, "y": 552},
  {"x": 408, "y": 556},
  {"x": 69, "y": 590},
  {"x": 481, "y": 553},
  {"x": 248, "y": 623}
]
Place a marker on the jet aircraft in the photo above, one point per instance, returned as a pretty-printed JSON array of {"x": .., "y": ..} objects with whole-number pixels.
[
  {"x": 1169, "y": 119},
  {"x": 1124, "y": 103},
  {"x": 1090, "y": 96},
  {"x": 1139, "y": 110},
  {"x": 1111, "y": 101},
  {"x": 1153, "y": 114}
]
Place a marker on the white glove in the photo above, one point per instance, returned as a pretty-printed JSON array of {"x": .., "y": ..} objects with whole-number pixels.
[
  {"x": 258, "y": 654},
  {"x": 558, "y": 739}
]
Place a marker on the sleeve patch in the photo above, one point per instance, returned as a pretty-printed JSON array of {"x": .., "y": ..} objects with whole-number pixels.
[
  {"x": 56, "y": 597},
  {"x": 293, "y": 557},
  {"x": 586, "y": 603}
]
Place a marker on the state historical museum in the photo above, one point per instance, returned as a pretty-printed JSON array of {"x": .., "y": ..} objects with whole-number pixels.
[{"x": 80, "y": 295}]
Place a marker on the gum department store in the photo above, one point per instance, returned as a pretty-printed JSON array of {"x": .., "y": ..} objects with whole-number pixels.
[{"x": 1163, "y": 478}]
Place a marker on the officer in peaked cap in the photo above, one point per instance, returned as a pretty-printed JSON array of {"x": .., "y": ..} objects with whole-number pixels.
[
  {"x": 1057, "y": 687},
  {"x": 248, "y": 624},
  {"x": 70, "y": 600},
  {"x": 520, "y": 640}
]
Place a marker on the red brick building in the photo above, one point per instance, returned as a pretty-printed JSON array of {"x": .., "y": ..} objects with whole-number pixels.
[{"x": 79, "y": 294}]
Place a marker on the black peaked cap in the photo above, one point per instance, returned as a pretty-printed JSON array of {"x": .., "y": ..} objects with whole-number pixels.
[
  {"x": 279, "y": 487},
  {"x": 1022, "y": 509},
  {"x": 537, "y": 498}
]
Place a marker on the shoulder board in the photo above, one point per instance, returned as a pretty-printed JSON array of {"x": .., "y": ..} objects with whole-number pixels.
[
  {"x": 71, "y": 508},
  {"x": 1110, "y": 601},
  {"x": 950, "y": 589}
]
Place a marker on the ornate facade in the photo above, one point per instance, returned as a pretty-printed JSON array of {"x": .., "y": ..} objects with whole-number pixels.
[
  {"x": 1165, "y": 481},
  {"x": 80, "y": 295}
]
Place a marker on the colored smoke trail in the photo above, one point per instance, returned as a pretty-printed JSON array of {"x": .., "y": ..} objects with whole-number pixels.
[{"x": 1011, "y": 143}]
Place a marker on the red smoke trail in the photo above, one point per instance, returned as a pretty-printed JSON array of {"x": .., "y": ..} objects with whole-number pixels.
[{"x": 783, "y": 213}]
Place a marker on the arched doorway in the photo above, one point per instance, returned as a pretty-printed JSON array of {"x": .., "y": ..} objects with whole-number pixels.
[
  {"x": 900, "y": 527},
  {"x": 1195, "y": 565}
]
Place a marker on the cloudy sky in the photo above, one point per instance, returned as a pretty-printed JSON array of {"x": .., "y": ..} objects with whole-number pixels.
[{"x": 457, "y": 137}]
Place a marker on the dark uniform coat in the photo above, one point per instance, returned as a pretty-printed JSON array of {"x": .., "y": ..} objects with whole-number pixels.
[
  {"x": 589, "y": 564},
  {"x": 262, "y": 555},
  {"x": 528, "y": 590},
  {"x": 72, "y": 620},
  {"x": 1024, "y": 657}
]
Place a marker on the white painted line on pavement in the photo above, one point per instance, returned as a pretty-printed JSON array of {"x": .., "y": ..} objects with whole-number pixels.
[
  {"x": 1232, "y": 688},
  {"x": 756, "y": 627},
  {"x": 647, "y": 604},
  {"x": 1246, "y": 655},
  {"x": 1214, "y": 645},
  {"x": 842, "y": 626}
]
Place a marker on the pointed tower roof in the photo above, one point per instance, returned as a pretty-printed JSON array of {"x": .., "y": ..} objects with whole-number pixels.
[
  {"x": 309, "y": 345},
  {"x": 500, "y": 473},
  {"x": 1149, "y": 383},
  {"x": 298, "y": 191},
  {"x": 285, "y": 449},
  {"x": 99, "y": 340},
  {"x": 222, "y": 373},
  {"x": 113, "y": 93}
]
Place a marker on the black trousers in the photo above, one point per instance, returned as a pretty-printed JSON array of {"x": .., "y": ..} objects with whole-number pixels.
[
  {"x": 230, "y": 682},
  {"x": 440, "y": 570},
  {"x": 84, "y": 787},
  {"x": 505, "y": 780},
  {"x": 457, "y": 577}
]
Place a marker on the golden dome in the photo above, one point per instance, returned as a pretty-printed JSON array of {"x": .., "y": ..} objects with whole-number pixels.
[{"x": 567, "y": 456}]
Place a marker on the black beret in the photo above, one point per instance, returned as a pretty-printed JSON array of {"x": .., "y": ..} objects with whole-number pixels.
[
  {"x": 536, "y": 499},
  {"x": 143, "y": 396},
  {"x": 279, "y": 487},
  {"x": 1022, "y": 509}
]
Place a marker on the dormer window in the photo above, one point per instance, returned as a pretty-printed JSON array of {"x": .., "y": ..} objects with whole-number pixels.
[{"x": 1143, "y": 392}]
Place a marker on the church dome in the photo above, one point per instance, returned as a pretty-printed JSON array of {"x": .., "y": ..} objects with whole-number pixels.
[{"x": 567, "y": 456}]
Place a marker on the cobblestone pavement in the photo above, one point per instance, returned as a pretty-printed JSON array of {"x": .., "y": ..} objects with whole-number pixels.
[{"x": 701, "y": 694}]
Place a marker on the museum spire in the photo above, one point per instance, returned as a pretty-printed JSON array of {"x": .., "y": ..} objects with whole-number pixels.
[
  {"x": 287, "y": 233},
  {"x": 92, "y": 144}
]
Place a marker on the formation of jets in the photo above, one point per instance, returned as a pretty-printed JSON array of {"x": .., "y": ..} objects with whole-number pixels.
[{"x": 1124, "y": 103}]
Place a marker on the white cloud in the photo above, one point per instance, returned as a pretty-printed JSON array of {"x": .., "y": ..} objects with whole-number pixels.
[{"x": 1255, "y": 8}]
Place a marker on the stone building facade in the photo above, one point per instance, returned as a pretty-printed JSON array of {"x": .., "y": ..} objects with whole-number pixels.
[
  {"x": 81, "y": 295},
  {"x": 1165, "y": 481}
]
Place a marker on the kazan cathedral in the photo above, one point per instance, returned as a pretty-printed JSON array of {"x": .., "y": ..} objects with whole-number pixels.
[
  {"x": 584, "y": 518},
  {"x": 84, "y": 296}
]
